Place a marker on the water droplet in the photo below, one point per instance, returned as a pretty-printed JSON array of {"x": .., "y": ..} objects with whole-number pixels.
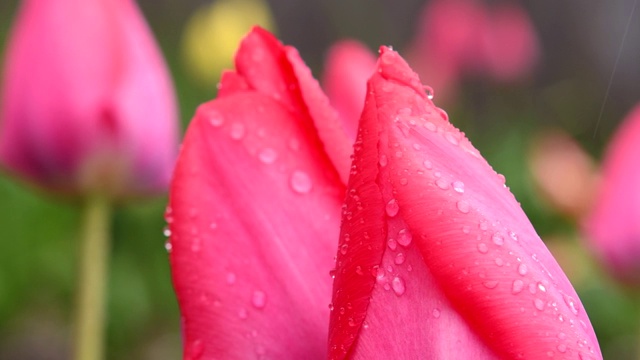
[
  {"x": 237, "y": 131},
  {"x": 392, "y": 208},
  {"x": 541, "y": 287},
  {"x": 294, "y": 144},
  {"x": 268, "y": 155},
  {"x": 331, "y": 307},
  {"x": 458, "y": 186},
  {"x": 497, "y": 239},
  {"x": 571, "y": 303},
  {"x": 539, "y": 304},
  {"x": 442, "y": 184},
  {"x": 215, "y": 118},
  {"x": 517, "y": 286},
  {"x": 383, "y": 160},
  {"x": 463, "y": 206},
  {"x": 483, "y": 248},
  {"x": 168, "y": 246},
  {"x": 398, "y": 286},
  {"x": 242, "y": 313},
  {"x": 259, "y": 299},
  {"x": 404, "y": 181},
  {"x": 562, "y": 348},
  {"x": 443, "y": 114},
  {"x": 196, "y": 349},
  {"x": 213, "y": 226},
  {"x": 166, "y": 231},
  {"x": 522, "y": 269},
  {"x": 300, "y": 182},
  {"x": 380, "y": 275},
  {"x": 231, "y": 278},
  {"x": 392, "y": 243},
  {"x": 483, "y": 226},
  {"x": 491, "y": 284},
  {"x": 399, "y": 259},
  {"x": 430, "y": 126},
  {"x": 436, "y": 313},
  {"x": 562, "y": 336},
  {"x": 398, "y": 154},
  {"x": 195, "y": 245},
  {"x": 344, "y": 248},
  {"x": 416, "y": 146},
  {"x": 404, "y": 237},
  {"x": 451, "y": 138},
  {"x": 513, "y": 236},
  {"x": 351, "y": 322},
  {"x": 466, "y": 229},
  {"x": 499, "y": 262},
  {"x": 427, "y": 164},
  {"x": 429, "y": 91}
]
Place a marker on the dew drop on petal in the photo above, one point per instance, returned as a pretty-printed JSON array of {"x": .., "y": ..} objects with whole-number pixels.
[
  {"x": 404, "y": 237},
  {"x": 463, "y": 206},
  {"x": 168, "y": 246},
  {"x": 398, "y": 286},
  {"x": 399, "y": 259},
  {"x": 427, "y": 164},
  {"x": 166, "y": 231},
  {"x": 429, "y": 91},
  {"x": 267, "y": 156},
  {"x": 231, "y": 278},
  {"x": 522, "y": 269},
  {"x": 343, "y": 249},
  {"x": 300, "y": 182},
  {"x": 392, "y": 243},
  {"x": 491, "y": 284},
  {"x": 436, "y": 313},
  {"x": 517, "y": 286},
  {"x": 571, "y": 303},
  {"x": 242, "y": 313},
  {"x": 392, "y": 208},
  {"x": 383, "y": 160},
  {"x": 539, "y": 304},
  {"x": 259, "y": 299},
  {"x": 483, "y": 248},
  {"x": 562, "y": 348},
  {"x": 215, "y": 118},
  {"x": 237, "y": 131},
  {"x": 458, "y": 186},
  {"x": 442, "y": 184},
  {"x": 497, "y": 239},
  {"x": 430, "y": 126}
]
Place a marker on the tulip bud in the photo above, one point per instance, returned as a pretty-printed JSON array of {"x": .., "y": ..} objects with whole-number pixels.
[{"x": 87, "y": 101}]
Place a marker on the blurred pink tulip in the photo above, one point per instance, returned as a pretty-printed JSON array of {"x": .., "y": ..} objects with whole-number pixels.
[
  {"x": 461, "y": 37},
  {"x": 613, "y": 226},
  {"x": 436, "y": 258},
  {"x": 88, "y": 104},
  {"x": 348, "y": 66}
]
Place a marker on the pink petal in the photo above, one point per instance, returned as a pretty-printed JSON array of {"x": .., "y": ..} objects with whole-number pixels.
[
  {"x": 254, "y": 218},
  {"x": 100, "y": 109},
  {"x": 348, "y": 66},
  {"x": 278, "y": 71},
  {"x": 476, "y": 281},
  {"x": 613, "y": 226},
  {"x": 509, "y": 43}
]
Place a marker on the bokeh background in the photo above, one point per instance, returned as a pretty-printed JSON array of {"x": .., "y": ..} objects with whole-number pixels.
[{"x": 572, "y": 90}]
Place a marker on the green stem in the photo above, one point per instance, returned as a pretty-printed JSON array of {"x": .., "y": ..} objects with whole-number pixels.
[{"x": 92, "y": 279}]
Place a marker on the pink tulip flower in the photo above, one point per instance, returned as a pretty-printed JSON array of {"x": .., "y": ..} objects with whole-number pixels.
[
  {"x": 436, "y": 258},
  {"x": 254, "y": 211},
  {"x": 348, "y": 66},
  {"x": 457, "y": 38},
  {"x": 613, "y": 226},
  {"x": 87, "y": 104}
]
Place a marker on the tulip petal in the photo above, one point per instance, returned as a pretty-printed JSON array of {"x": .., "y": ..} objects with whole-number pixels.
[
  {"x": 613, "y": 226},
  {"x": 470, "y": 256},
  {"x": 278, "y": 71},
  {"x": 348, "y": 66},
  {"x": 254, "y": 217}
]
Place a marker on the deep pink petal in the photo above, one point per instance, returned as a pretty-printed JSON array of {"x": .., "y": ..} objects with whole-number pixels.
[
  {"x": 613, "y": 226},
  {"x": 277, "y": 71},
  {"x": 348, "y": 66},
  {"x": 254, "y": 216},
  {"x": 470, "y": 256}
]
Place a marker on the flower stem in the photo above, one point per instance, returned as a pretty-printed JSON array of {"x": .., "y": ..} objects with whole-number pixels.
[{"x": 92, "y": 279}]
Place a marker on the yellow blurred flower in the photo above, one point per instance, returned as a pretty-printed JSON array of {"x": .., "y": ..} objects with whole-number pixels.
[{"x": 212, "y": 35}]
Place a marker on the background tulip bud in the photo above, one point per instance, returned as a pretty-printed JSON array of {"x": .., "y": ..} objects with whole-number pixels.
[{"x": 87, "y": 102}]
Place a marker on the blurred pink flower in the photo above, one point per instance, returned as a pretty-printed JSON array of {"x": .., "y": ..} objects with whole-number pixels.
[
  {"x": 613, "y": 226},
  {"x": 461, "y": 37},
  {"x": 348, "y": 66},
  {"x": 88, "y": 104}
]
